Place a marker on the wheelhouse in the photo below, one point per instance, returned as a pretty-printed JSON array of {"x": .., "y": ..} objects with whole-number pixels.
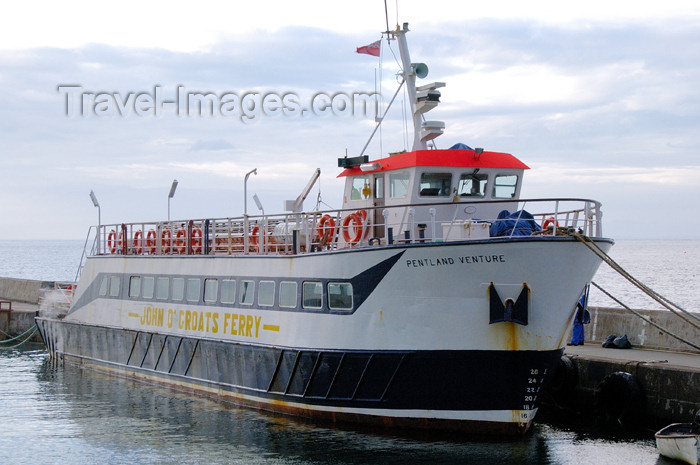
[{"x": 432, "y": 183}]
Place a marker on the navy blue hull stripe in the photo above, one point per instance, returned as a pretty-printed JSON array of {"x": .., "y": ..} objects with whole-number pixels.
[{"x": 430, "y": 380}]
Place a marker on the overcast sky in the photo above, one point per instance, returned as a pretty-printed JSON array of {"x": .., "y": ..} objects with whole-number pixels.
[{"x": 600, "y": 99}]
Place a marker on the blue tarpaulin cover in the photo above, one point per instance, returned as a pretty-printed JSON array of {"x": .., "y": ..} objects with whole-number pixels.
[
  {"x": 520, "y": 223},
  {"x": 461, "y": 146}
]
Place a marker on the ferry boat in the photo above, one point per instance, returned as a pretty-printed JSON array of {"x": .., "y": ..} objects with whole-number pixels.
[{"x": 434, "y": 298}]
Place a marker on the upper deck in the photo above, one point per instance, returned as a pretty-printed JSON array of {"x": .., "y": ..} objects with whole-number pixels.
[{"x": 327, "y": 230}]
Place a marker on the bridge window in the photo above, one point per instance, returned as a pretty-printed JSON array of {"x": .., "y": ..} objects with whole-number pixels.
[
  {"x": 435, "y": 184},
  {"x": 312, "y": 294},
  {"x": 360, "y": 188},
  {"x": 288, "y": 294},
  {"x": 504, "y": 186},
  {"x": 398, "y": 184},
  {"x": 472, "y": 185},
  {"x": 340, "y": 296}
]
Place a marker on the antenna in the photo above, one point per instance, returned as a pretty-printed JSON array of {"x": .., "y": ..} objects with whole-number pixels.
[{"x": 386, "y": 15}]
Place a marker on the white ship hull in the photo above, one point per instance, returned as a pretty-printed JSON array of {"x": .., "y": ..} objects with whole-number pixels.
[{"x": 418, "y": 348}]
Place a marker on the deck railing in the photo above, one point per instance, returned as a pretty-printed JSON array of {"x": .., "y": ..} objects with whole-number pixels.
[{"x": 312, "y": 231}]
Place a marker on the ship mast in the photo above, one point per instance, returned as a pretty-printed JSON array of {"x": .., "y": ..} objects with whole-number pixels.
[{"x": 423, "y": 98}]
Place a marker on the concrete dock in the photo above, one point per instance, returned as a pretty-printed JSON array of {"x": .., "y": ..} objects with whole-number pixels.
[
  {"x": 17, "y": 320},
  {"x": 661, "y": 387},
  {"x": 655, "y": 383},
  {"x": 19, "y": 302}
]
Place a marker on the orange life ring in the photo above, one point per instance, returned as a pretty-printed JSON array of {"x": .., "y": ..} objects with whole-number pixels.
[
  {"x": 196, "y": 240},
  {"x": 358, "y": 219},
  {"x": 151, "y": 241},
  {"x": 112, "y": 241},
  {"x": 549, "y": 222},
  {"x": 254, "y": 235},
  {"x": 363, "y": 216},
  {"x": 323, "y": 228},
  {"x": 165, "y": 244},
  {"x": 181, "y": 240},
  {"x": 138, "y": 237},
  {"x": 120, "y": 240}
]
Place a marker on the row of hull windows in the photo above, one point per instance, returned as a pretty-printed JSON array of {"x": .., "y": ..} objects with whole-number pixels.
[
  {"x": 230, "y": 291},
  {"x": 436, "y": 185}
]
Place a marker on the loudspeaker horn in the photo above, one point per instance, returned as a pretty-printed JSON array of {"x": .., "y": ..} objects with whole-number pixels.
[{"x": 421, "y": 69}]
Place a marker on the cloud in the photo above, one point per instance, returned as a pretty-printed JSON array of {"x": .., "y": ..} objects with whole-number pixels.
[
  {"x": 607, "y": 108},
  {"x": 653, "y": 177},
  {"x": 213, "y": 145}
]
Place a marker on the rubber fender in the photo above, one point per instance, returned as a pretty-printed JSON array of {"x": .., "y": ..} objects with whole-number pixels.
[
  {"x": 564, "y": 379},
  {"x": 619, "y": 400}
]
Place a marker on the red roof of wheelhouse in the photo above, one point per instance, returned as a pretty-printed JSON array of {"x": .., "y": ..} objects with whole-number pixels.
[{"x": 446, "y": 158}]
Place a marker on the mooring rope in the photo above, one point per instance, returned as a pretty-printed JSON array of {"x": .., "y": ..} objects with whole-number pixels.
[
  {"x": 5, "y": 341},
  {"x": 33, "y": 330},
  {"x": 645, "y": 318},
  {"x": 666, "y": 303}
]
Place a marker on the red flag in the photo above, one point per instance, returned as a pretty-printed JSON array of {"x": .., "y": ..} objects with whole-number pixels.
[{"x": 371, "y": 49}]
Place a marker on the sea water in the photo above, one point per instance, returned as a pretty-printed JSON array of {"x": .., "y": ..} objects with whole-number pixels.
[
  {"x": 64, "y": 414},
  {"x": 47, "y": 260},
  {"x": 69, "y": 415},
  {"x": 670, "y": 268}
]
